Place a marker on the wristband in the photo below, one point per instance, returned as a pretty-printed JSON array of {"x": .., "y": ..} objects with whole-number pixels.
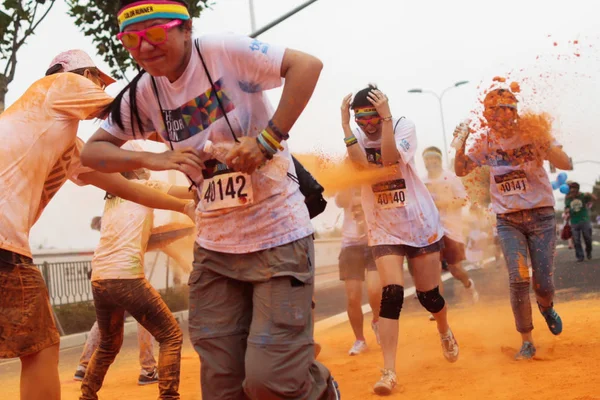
[{"x": 277, "y": 131}]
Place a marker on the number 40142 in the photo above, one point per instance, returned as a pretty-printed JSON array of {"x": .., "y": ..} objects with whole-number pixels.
[{"x": 218, "y": 190}]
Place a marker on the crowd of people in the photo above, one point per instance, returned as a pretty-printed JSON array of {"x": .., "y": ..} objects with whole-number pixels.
[{"x": 252, "y": 282}]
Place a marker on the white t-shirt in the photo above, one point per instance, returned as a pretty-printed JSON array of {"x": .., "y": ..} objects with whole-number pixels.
[
  {"x": 448, "y": 186},
  {"x": 354, "y": 228},
  {"x": 242, "y": 69},
  {"x": 399, "y": 210},
  {"x": 124, "y": 235},
  {"x": 40, "y": 150},
  {"x": 518, "y": 180}
]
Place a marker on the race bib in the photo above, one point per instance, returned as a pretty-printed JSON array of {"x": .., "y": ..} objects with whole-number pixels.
[
  {"x": 514, "y": 182},
  {"x": 228, "y": 190},
  {"x": 390, "y": 194}
]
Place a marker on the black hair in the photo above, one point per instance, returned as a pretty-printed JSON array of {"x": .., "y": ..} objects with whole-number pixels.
[
  {"x": 115, "y": 106},
  {"x": 361, "y": 99},
  {"x": 58, "y": 68}
]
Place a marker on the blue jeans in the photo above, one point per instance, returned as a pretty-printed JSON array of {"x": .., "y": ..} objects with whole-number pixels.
[
  {"x": 584, "y": 228},
  {"x": 522, "y": 234}
]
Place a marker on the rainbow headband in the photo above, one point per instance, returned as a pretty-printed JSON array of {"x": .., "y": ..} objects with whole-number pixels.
[
  {"x": 365, "y": 112},
  {"x": 145, "y": 10}
]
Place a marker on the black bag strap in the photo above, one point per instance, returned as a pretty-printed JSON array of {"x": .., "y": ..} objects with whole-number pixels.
[
  {"x": 397, "y": 122},
  {"x": 212, "y": 85}
]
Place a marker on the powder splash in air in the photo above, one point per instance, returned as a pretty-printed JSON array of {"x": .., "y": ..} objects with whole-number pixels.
[
  {"x": 499, "y": 79},
  {"x": 340, "y": 174},
  {"x": 515, "y": 87}
]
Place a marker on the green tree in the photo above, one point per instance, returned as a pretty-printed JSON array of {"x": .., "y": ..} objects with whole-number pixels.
[
  {"x": 18, "y": 21},
  {"x": 97, "y": 19}
]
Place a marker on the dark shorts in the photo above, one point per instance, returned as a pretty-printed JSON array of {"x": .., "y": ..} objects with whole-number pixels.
[
  {"x": 354, "y": 260},
  {"x": 26, "y": 321},
  {"x": 406, "y": 251},
  {"x": 453, "y": 251}
]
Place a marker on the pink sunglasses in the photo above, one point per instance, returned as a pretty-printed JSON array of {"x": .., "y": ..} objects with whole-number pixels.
[{"x": 154, "y": 35}]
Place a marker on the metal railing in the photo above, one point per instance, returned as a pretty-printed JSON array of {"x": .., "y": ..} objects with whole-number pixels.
[{"x": 67, "y": 282}]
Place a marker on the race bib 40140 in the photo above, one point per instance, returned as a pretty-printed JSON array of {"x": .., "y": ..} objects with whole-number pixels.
[
  {"x": 390, "y": 194},
  {"x": 514, "y": 182},
  {"x": 226, "y": 191}
]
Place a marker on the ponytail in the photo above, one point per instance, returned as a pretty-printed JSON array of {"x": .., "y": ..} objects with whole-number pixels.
[{"x": 115, "y": 107}]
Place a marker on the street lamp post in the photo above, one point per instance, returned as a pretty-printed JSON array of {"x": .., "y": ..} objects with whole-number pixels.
[{"x": 440, "y": 97}]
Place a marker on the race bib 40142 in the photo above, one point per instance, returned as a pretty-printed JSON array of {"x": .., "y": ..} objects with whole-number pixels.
[
  {"x": 390, "y": 194},
  {"x": 514, "y": 182},
  {"x": 227, "y": 191}
]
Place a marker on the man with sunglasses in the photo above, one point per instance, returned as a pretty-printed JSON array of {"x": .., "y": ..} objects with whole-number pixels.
[
  {"x": 523, "y": 201},
  {"x": 402, "y": 221}
]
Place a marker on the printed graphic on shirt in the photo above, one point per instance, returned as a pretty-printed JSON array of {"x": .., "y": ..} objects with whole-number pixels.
[
  {"x": 576, "y": 205},
  {"x": 197, "y": 114},
  {"x": 374, "y": 156},
  {"x": 504, "y": 158}
]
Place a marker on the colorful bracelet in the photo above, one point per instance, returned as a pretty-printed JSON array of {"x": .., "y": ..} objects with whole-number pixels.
[
  {"x": 264, "y": 150},
  {"x": 277, "y": 131},
  {"x": 261, "y": 139},
  {"x": 350, "y": 140},
  {"x": 272, "y": 141}
]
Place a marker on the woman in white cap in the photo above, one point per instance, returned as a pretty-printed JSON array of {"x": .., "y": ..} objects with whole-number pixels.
[{"x": 40, "y": 152}]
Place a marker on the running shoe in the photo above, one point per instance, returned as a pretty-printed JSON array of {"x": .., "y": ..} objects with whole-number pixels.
[
  {"x": 358, "y": 347},
  {"x": 375, "y": 327},
  {"x": 474, "y": 293},
  {"x": 386, "y": 383},
  {"x": 449, "y": 346},
  {"x": 552, "y": 319},
  {"x": 431, "y": 317},
  {"x": 79, "y": 373},
  {"x": 148, "y": 377},
  {"x": 526, "y": 353}
]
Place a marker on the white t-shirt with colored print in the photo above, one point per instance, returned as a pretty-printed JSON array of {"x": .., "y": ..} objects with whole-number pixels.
[
  {"x": 448, "y": 187},
  {"x": 518, "y": 180},
  {"x": 399, "y": 210},
  {"x": 40, "y": 150},
  {"x": 124, "y": 235},
  {"x": 237, "y": 213}
]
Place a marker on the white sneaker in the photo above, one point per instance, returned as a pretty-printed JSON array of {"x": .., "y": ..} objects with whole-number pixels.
[
  {"x": 431, "y": 317},
  {"x": 474, "y": 293},
  {"x": 375, "y": 327},
  {"x": 449, "y": 346},
  {"x": 358, "y": 347},
  {"x": 386, "y": 383}
]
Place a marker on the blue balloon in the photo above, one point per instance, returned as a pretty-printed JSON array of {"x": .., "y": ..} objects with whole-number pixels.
[
  {"x": 564, "y": 188},
  {"x": 555, "y": 185},
  {"x": 561, "y": 178}
]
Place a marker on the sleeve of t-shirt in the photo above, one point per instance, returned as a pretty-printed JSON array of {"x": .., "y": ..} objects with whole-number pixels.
[
  {"x": 406, "y": 140},
  {"x": 257, "y": 64},
  {"x": 76, "y": 169},
  {"x": 71, "y": 96},
  {"x": 110, "y": 126}
]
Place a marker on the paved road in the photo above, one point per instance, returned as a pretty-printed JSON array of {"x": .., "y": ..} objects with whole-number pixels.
[{"x": 572, "y": 279}]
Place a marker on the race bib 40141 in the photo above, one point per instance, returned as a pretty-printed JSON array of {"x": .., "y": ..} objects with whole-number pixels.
[
  {"x": 514, "y": 182},
  {"x": 390, "y": 194},
  {"x": 227, "y": 191}
]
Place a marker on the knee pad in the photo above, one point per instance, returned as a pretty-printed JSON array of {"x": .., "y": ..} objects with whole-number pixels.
[
  {"x": 432, "y": 300},
  {"x": 392, "y": 298}
]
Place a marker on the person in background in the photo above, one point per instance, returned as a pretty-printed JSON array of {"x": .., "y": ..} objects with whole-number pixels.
[
  {"x": 354, "y": 261},
  {"x": 577, "y": 207}
]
